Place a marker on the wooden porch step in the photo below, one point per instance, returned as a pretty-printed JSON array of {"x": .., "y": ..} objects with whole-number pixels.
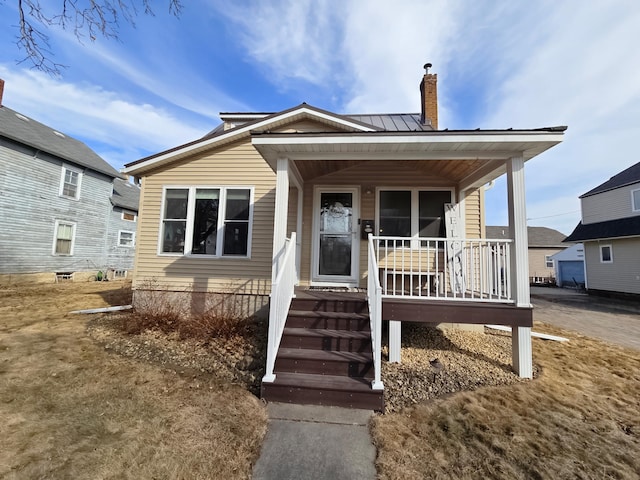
[
  {"x": 322, "y": 362},
  {"x": 331, "y": 320},
  {"x": 341, "y": 391},
  {"x": 326, "y": 339},
  {"x": 330, "y": 302}
]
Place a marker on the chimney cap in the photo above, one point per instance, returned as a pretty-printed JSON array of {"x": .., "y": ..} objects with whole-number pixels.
[{"x": 427, "y": 66}]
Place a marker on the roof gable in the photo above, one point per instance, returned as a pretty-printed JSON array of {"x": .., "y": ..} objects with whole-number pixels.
[
  {"x": 220, "y": 137},
  {"x": 626, "y": 177},
  {"x": 22, "y": 129}
]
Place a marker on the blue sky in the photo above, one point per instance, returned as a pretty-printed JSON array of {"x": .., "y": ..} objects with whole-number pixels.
[{"x": 500, "y": 64}]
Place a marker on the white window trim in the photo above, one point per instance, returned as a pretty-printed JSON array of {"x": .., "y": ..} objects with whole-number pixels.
[
  {"x": 66, "y": 167},
  {"x": 135, "y": 216},
  {"x": 55, "y": 238},
  {"x": 415, "y": 207},
  {"x": 610, "y": 253},
  {"x": 190, "y": 218},
  {"x": 133, "y": 238},
  {"x": 633, "y": 204},
  {"x": 548, "y": 260}
]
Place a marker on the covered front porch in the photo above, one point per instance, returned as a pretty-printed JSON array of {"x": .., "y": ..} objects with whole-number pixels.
[{"x": 331, "y": 191}]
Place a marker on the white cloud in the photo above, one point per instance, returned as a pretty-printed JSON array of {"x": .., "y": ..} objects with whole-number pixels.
[{"x": 96, "y": 116}]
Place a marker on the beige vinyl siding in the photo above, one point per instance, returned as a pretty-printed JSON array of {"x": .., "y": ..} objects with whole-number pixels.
[
  {"x": 372, "y": 174},
  {"x": 239, "y": 165},
  {"x": 623, "y": 274},
  {"x": 307, "y": 126},
  {"x": 473, "y": 214},
  {"x": 610, "y": 205},
  {"x": 537, "y": 262}
]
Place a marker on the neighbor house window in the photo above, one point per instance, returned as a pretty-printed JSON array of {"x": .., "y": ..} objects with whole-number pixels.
[
  {"x": 126, "y": 239},
  {"x": 212, "y": 221},
  {"x": 606, "y": 254},
  {"x": 635, "y": 200},
  {"x": 127, "y": 215},
  {"x": 70, "y": 182},
  {"x": 548, "y": 261},
  {"x": 412, "y": 213},
  {"x": 64, "y": 238}
]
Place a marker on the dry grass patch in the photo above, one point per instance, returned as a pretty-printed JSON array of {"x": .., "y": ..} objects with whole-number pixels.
[
  {"x": 579, "y": 419},
  {"x": 69, "y": 409}
]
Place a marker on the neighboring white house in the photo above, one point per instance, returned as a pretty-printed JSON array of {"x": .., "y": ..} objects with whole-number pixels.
[
  {"x": 610, "y": 231},
  {"x": 569, "y": 266},
  {"x": 66, "y": 212}
]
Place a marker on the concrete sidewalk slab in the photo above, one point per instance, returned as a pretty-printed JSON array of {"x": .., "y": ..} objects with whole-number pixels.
[{"x": 316, "y": 442}]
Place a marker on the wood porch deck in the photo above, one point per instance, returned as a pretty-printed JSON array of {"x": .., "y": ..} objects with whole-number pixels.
[{"x": 325, "y": 356}]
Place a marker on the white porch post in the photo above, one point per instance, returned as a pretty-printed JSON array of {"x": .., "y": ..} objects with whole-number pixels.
[
  {"x": 395, "y": 331},
  {"x": 521, "y": 336},
  {"x": 280, "y": 215}
]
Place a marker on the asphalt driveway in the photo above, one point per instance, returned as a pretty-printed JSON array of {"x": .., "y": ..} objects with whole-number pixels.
[{"x": 614, "y": 321}]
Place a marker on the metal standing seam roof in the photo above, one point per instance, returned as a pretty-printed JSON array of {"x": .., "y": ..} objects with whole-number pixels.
[
  {"x": 22, "y": 129},
  {"x": 536, "y": 236},
  {"x": 125, "y": 195},
  {"x": 627, "y": 177}
]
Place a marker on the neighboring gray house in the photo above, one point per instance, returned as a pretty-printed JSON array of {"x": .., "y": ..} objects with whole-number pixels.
[
  {"x": 543, "y": 243},
  {"x": 66, "y": 212},
  {"x": 610, "y": 231}
]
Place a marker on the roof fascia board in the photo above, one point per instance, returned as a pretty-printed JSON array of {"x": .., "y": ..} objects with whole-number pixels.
[
  {"x": 628, "y": 184},
  {"x": 238, "y": 132},
  {"x": 386, "y": 138}
]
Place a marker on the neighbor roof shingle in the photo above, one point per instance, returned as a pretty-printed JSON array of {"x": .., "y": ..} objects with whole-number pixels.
[
  {"x": 622, "y": 227},
  {"x": 22, "y": 129},
  {"x": 125, "y": 195},
  {"x": 536, "y": 236},
  {"x": 626, "y": 177}
]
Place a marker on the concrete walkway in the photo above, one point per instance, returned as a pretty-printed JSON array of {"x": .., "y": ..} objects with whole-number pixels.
[
  {"x": 313, "y": 442},
  {"x": 612, "y": 320}
]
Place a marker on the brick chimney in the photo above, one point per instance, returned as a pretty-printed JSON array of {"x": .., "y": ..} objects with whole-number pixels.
[
  {"x": 429, "y": 96},
  {"x": 1, "y": 90}
]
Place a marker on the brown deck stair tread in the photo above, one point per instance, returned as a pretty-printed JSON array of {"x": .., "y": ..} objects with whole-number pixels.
[
  {"x": 326, "y": 333},
  {"x": 324, "y": 355},
  {"x": 324, "y": 382},
  {"x": 320, "y": 314}
]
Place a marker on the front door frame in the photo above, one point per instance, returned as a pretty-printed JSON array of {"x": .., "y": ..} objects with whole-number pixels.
[{"x": 334, "y": 280}]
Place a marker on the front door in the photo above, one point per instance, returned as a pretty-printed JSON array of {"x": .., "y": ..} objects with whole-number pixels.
[{"x": 335, "y": 245}]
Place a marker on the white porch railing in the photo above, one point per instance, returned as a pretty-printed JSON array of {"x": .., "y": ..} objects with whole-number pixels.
[
  {"x": 282, "y": 292},
  {"x": 465, "y": 269},
  {"x": 374, "y": 297}
]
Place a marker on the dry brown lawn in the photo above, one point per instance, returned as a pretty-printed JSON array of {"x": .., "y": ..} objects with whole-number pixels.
[
  {"x": 579, "y": 420},
  {"x": 70, "y": 409}
]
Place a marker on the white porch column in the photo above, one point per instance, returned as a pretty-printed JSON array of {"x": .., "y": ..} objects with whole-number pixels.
[
  {"x": 280, "y": 215},
  {"x": 521, "y": 336},
  {"x": 395, "y": 332}
]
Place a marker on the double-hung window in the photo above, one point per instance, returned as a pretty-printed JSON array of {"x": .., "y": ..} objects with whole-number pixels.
[
  {"x": 412, "y": 212},
  {"x": 213, "y": 221},
  {"x": 64, "y": 235},
  {"x": 126, "y": 239},
  {"x": 70, "y": 182}
]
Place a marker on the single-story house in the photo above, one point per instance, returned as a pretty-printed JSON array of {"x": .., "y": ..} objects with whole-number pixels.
[
  {"x": 332, "y": 223},
  {"x": 610, "y": 231},
  {"x": 67, "y": 213},
  {"x": 543, "y": 244}
]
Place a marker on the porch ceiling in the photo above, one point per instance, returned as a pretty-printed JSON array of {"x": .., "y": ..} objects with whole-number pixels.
[{"x": 469, "y": 158}]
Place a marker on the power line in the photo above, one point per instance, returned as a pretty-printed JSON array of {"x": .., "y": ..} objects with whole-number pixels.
[{"x": 556, "y": 215}]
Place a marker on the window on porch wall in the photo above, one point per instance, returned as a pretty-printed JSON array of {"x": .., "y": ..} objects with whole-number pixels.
[{"x": 413, "y": 213}]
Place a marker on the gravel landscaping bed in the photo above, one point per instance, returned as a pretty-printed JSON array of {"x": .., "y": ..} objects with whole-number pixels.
[{"x": 467, "y": 360}]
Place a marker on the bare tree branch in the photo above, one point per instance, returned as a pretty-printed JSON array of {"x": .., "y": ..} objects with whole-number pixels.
[{"x": 85, "y": 18}]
